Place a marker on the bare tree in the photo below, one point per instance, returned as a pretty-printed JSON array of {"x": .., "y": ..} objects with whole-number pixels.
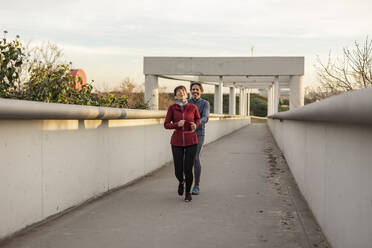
[
  {"x": 46, "y": 55},
  {"x": 352, "y": 71},
  {"x": 136, "y": 95}
]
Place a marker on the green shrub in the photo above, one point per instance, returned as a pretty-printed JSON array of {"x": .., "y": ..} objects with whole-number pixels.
[
  {"x": 11, "y": 60},
  {"x": 56, "y": 84},
  {"x": 47, "y": 82},
  {"x": 258, "y": 105}
]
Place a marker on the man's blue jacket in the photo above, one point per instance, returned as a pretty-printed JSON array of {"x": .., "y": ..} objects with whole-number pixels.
[{"x": 203, "y": 108}]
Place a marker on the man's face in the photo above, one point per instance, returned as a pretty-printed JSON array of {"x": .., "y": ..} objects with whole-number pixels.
[{"x": 196, "y": 91}]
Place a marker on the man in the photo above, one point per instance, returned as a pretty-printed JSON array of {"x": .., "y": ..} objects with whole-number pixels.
[{"x": 203, "y": 108}]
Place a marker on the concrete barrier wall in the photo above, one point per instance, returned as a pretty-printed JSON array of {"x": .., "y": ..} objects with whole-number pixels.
[
  {"x": 330, "y": 157},
  {"x": 48, "y": 166}
]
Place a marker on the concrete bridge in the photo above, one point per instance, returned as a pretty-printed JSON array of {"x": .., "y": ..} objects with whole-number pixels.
[
  {"x": 81, "y": 176},
  {"x": 248, "y": 199}
]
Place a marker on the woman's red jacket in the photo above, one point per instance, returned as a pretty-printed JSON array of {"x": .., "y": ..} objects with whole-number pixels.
[{"x": 182, "y": 136}]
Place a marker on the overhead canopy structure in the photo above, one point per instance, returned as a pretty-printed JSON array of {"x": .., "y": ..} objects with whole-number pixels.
[
  {"x": 270, "y": 73},
  {"x": 251, "y": 82}
]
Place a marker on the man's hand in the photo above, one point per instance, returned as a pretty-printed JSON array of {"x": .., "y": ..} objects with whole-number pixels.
[
  {"x": 193, "y": 126},
  {"x": 181, "y": 123}
]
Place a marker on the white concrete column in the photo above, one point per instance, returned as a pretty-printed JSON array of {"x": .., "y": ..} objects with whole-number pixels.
[
  {"x": 232, "y": 101},
  {"x": 218, "y": 91},
  {"x": 296, "y": 92},
  {"x": 269, "y": 100},
  {"x": 241, "y": 108},
  {"x": 215, "y": 100},
  {"x": 276, "y": 95},
  {"x": 249, "y": 102},
  {"x": 245, "y": 101},
  {"x": 152, "y": 92},
  {"x": 272, "y": 97},
  {"x": 242, "y": 97}
]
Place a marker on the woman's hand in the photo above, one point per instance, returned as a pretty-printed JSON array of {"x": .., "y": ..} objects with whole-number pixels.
[
  {"x": 181, "y": 123},
  {"x": 193, "y": 126}
]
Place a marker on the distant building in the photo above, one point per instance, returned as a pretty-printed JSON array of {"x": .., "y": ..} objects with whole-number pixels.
[{"x": 80, "y": 77}]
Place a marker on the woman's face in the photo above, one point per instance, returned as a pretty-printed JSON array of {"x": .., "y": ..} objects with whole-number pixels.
[{"x": 181, "y": 95}]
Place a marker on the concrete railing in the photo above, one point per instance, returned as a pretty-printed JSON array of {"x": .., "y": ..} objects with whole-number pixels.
[
  {"x": 328, "y": 147},
  {"x": 19, "y": 109},
  {"x": 55, "y": 156}
]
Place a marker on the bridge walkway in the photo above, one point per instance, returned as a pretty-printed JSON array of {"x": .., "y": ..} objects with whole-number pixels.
[{"x": 248, "y": 199}]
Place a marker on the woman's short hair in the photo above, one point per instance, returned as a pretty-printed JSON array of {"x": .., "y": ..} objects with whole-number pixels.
[
  {"x": 178, "y": 88},
  {"x": 198, "y": 84}
]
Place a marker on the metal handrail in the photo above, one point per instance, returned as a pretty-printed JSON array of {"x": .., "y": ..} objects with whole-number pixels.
[
  {"x": 21, "y": 109},
  {"x": 351, "y": 107},
  {"x": 32, "y": 110}
]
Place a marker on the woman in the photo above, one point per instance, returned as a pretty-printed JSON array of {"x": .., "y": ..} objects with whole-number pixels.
[{"x": 184, "y": 118}]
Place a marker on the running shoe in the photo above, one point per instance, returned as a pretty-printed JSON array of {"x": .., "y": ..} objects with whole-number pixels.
[
  {"x": 181, "y": 187},
  {"x": 188, "y": 197},
  {"x": 196, "y": 190}
]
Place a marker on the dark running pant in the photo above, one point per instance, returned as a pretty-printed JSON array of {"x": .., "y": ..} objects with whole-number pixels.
[
  {"x": 197, "y": 166},
  {"x": 183, "y": 158}
]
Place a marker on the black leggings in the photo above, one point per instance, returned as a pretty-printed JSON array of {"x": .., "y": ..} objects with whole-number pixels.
[{"x": 183, "y": 158}]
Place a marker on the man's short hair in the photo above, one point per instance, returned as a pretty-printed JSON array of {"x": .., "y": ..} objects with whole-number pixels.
[
  {"x": 197, "y": 83},
  {"x": 178, "y": 88}
]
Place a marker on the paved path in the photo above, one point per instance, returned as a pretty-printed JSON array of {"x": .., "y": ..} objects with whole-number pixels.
[{"x": 248, "y": 199}]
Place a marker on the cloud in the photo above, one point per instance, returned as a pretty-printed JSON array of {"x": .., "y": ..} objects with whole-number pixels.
[{"x": 119, "y": 32}]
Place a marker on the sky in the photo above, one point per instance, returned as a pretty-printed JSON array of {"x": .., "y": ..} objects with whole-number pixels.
[{"x": 108, "y": 39}]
